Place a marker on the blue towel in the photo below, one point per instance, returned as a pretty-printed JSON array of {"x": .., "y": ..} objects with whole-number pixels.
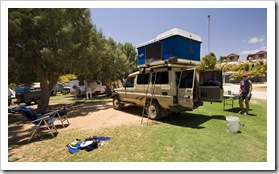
[{"x": 101, "y": 138}]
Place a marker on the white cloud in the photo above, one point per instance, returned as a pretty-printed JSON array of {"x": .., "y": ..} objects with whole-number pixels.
[
  {"x": 255, "y": 40},
  {"x": 246, "y": 52}
]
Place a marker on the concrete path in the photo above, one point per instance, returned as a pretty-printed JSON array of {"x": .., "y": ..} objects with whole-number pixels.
[{"x": 258, "y": 91}]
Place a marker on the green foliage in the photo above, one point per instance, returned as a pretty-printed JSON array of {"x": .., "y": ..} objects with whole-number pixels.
[
  {"x": 46, "y": 43},
  {"x": 221, "y": 59},
  {"x": 12, "y": 86},
  {"x": 257, "y": 72},
  {"x": 246, "y": 67},
  {"x": 106, "y": 69},
  {"x": 66, "y": 78},
  {"x": 208, "y": 62}
]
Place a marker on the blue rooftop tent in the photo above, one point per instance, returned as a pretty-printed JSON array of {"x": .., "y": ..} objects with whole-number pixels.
[{"x": 175, "y": 43}]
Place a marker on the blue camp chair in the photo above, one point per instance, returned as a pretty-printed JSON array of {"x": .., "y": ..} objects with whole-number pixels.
[
  {"x": 61, "y": 114},
  {"x": 38, "y": 120}
]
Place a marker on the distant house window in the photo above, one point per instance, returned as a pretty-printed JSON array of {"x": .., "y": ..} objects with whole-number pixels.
[
  {"x": 231, "y": 58},
  {"x": 261, "y": 56}
]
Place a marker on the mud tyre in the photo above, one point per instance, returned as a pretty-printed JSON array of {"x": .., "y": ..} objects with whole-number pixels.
[
  {"x": 117, "y": 103},
  {"x": 154, "y": 110}
]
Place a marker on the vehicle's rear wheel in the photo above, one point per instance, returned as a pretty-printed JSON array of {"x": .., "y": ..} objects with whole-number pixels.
[
  {"x": 117, "y": 103},
  {"x": 154, "y": 111}
]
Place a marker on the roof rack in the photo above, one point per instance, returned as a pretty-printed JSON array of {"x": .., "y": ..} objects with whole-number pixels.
[{"x": 171, "y": 62}]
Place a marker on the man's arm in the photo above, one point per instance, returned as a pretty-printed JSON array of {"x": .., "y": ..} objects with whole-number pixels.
[
  {"x": 250, "y": 88},
  {"x": 239, "y": 90}
]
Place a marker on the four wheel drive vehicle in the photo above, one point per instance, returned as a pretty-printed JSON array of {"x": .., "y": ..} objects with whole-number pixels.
[
  {"x": 62, "y": 88},
  {"x": 25, "y": 94},
  {"x": 168, "y": 80},
  {"x": 95, "y": 87},
  {"x": 169, "y": 89}
]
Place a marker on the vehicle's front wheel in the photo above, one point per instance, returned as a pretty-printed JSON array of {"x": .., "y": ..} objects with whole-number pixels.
[
  {"x": 117, "y": 103},
  {"x": 154, "y": 111}
]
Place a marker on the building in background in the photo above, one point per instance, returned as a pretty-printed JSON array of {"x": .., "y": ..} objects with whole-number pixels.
[{"x": 259, "y": 56}]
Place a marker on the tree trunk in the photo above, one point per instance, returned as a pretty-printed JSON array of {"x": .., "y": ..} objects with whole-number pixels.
[{"x": 45, "y": 94}]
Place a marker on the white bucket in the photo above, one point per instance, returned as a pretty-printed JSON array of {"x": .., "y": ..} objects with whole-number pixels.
[{"x": 232, "y": 124}]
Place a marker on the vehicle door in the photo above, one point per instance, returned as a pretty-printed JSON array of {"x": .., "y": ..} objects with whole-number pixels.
[
  {"x": 211, "y": 86},
  {"x": 129, "y": 89},
  {"x": 186, "y": 88}
]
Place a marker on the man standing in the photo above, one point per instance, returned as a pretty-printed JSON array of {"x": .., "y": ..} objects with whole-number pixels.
[{"x": 245, "y": 94}]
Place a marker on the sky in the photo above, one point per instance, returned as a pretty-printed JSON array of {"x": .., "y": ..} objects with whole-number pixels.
[{"x": 241, "y": 31}]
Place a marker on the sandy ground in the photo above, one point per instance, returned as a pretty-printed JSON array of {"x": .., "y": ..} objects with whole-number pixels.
[
  {"x": 107, "y": 117},
  {"x": 258, "y": 91}
]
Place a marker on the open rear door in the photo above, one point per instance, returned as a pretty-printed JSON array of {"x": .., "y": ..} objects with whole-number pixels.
[
  {"x": 186, "y": 88},
  {"x": 211, "y": 86}
]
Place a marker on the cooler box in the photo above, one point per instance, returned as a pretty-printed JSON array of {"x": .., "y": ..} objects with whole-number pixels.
[{"x": 177, "y": 43}]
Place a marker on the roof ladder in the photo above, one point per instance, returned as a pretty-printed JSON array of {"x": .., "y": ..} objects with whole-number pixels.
[{"x": 149, "y": 98}]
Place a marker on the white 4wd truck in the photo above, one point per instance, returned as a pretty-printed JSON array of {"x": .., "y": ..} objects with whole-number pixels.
[{"x": 168, "y": 80}]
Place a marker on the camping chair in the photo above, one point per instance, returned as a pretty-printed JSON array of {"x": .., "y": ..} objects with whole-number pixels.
[
  {"x": 38, "y": 121},
  {"x": 60, "y": 113}
]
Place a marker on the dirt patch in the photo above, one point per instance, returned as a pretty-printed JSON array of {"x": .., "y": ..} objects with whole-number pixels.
[
  {"x": 105, "y": 116},
  {"x": 88, "y": 116}
]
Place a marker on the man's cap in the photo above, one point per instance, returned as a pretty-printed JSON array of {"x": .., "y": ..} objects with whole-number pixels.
[{"x": 245, "y": 75}]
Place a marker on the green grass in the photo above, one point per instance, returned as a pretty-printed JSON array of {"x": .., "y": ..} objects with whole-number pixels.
[{"x": 196, "y": 136}]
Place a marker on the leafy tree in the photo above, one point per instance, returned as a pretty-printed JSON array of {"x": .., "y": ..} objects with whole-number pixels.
[
  {"x": 66, "y": 78},
  {"x": 221, "y": 59},
  {"x": 208, "y": 62},
  {"x": 46, "y": 43}
]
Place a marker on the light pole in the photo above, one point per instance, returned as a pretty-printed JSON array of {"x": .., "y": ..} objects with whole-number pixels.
[{"x": 208, "y": 34}]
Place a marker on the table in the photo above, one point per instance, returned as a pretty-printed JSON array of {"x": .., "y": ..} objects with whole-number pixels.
[{"x": 229, "y": 100}]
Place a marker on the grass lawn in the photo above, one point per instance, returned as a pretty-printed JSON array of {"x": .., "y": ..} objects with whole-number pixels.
[{"x": 196, "y": 136}]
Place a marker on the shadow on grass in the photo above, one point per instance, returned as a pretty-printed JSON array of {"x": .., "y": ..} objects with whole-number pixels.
[
  {"x": 18, "y": 135},
  {"x": 190, "y": 120},
  {"x": 236, "y": 110}
]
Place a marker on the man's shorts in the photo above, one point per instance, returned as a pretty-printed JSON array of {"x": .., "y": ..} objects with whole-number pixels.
[{"x": 244, "y": 95}]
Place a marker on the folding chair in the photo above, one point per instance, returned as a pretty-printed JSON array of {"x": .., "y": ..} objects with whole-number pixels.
[
  {"x": 60, "y": 113},
  {"x": 38, "y": 121}
]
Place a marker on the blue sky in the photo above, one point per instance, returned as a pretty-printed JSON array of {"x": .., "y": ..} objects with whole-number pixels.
[{"x": 232, "y": 30}]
